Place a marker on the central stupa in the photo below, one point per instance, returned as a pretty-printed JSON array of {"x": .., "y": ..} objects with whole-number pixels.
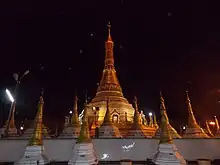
[{"x": 109, "y": 88}]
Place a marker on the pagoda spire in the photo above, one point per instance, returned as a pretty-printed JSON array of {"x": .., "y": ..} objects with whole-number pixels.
[
  {"x": 84, "y": 136},
  {"x": 163, "y": 113},
  {"x": 34, "y": 152},
  {"x": 109, "y": 45},
  {"x": 191, "y": 118},
  {"x": 193, "y": 130},
  {"x": 137, "y": 129},
  {"x": 165, "y": 136},
  {"x": 37, "y": 137},
  {"x": 109, "y": 81},
  {"x": 216, "y": 122},
  {"x": 155, "y": 121},
  {"x": 107, "y": 118},
  {"x": 167, "y": 152},
  {"x": 109, "y": 32},
  {"x": 75, "y": 117},
  {"x": 136, "y": 113},
  {"x": 108, "y": 129},
  {"x": 163, "y": 108},
  {"x": 209, "y": 132}
]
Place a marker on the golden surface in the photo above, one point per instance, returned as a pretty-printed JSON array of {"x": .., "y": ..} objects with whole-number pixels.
[
  {"x": 191, "y": 118},
  {"x": 109, "y": 88},
  {"x": 165, "y": 132},
  {"x": 164, "y": 114},
  {"x": 37, "y": 136},
  {"x": 216, "y": 122},
  {"x": 208, "y": 129},
  {"x": 10, "y": 124},
  {"x": 155, "y": 121},
  {"x": 84, "y": 136}
]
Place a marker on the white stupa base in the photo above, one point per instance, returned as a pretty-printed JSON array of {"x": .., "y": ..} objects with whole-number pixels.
[
  {"x": 109, "y": 131},
  {"x": 33, "y": 156},
  {"x": 83, "y": 154},
  {"x": 136, "y": 133},
  {"x": 29, "y": 132},
  {"x": 168, "y": 155},
  {"x": 173, "y": 133},
  {"x": 70, "y": 132},
  {"x": 195, "y": 133}
]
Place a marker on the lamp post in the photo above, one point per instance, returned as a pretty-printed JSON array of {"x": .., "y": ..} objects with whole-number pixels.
[
  {"x": 70, "y": 115},
  {"x": 13, "y": 99}
]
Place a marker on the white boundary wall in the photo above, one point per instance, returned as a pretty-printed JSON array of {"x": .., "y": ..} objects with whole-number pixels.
[{"x": 61, "y": 149}]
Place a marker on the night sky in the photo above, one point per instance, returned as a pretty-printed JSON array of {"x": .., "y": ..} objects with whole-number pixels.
[{"x": 168, "y": 46}]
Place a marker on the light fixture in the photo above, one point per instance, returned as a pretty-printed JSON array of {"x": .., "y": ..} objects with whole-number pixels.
[
  {"x": 212, "y": 123},
  {"x": 9, "y": 95}
]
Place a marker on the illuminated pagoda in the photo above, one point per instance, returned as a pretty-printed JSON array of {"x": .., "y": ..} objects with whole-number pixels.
[
  {"x": 10, "y": 129},
  {"x": 109, "y": 87},
  {"x": 108, "y": 129},
  {"x": 72, "y": 130},
  {"x": 137, "y": 129},
  {"x": 143, "y": 118},
  {"x": 155, "y": 122},
  {"x": 193, "y": 130},
  {"x": 83, "y": 152},
  {"x": 34, "y": 152},
  {"x": 28, "y": 132},
  {"x": 167, "y": 153},
  {"x": 208, "y": 130},
  {"x": 173, "y": 132},
  {"x": 217, "y": 134}
]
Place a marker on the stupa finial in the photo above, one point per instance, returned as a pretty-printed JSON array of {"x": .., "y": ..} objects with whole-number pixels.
[{"x": 37, "y": 137}]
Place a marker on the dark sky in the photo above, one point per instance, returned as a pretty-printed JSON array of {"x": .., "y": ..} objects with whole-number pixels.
[{"x": 169, "y": 46}]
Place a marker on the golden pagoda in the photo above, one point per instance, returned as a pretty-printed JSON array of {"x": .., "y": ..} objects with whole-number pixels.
[
  {"x": 193, "y": 130},
  {"x": 167, "y": 152},
  {"x": 208, "y": 130},
  {"x": 83, "y": 151},
  {"x": 109, "y": 87},
  {"x": 163, "y": 112},
  {"x": 37, "y": 137},
  {"x": 72, "y": 129},
  {"x": 9, "y": 129},
  {"x": 34, "y": 152},
  {"x": 217, "y": 134},
  {"x": 108, "y": 129},
  {"x": 84, "y": 136},
  {"x": 155, "y": 122},
  {"x": 137, "y": 129}
]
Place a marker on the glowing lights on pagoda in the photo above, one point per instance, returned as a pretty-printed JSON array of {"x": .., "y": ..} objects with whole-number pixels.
[
  {"x": 72, "y": 127},
  {"x": 108, "y": 129},
  {"x": 163, "y": 112},
  {"x": 34, "y": 152},
  {"x": 167, "y": 152},
  {"x": 83, "y": 152},
  {"x": 193, "y": 130}
]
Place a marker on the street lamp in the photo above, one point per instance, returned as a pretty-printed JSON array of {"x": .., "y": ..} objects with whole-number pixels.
[
  {"x": 13, "y": 99},
  {"x": 9, "y": 95},
  {"x": 150, "y": 114}
]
